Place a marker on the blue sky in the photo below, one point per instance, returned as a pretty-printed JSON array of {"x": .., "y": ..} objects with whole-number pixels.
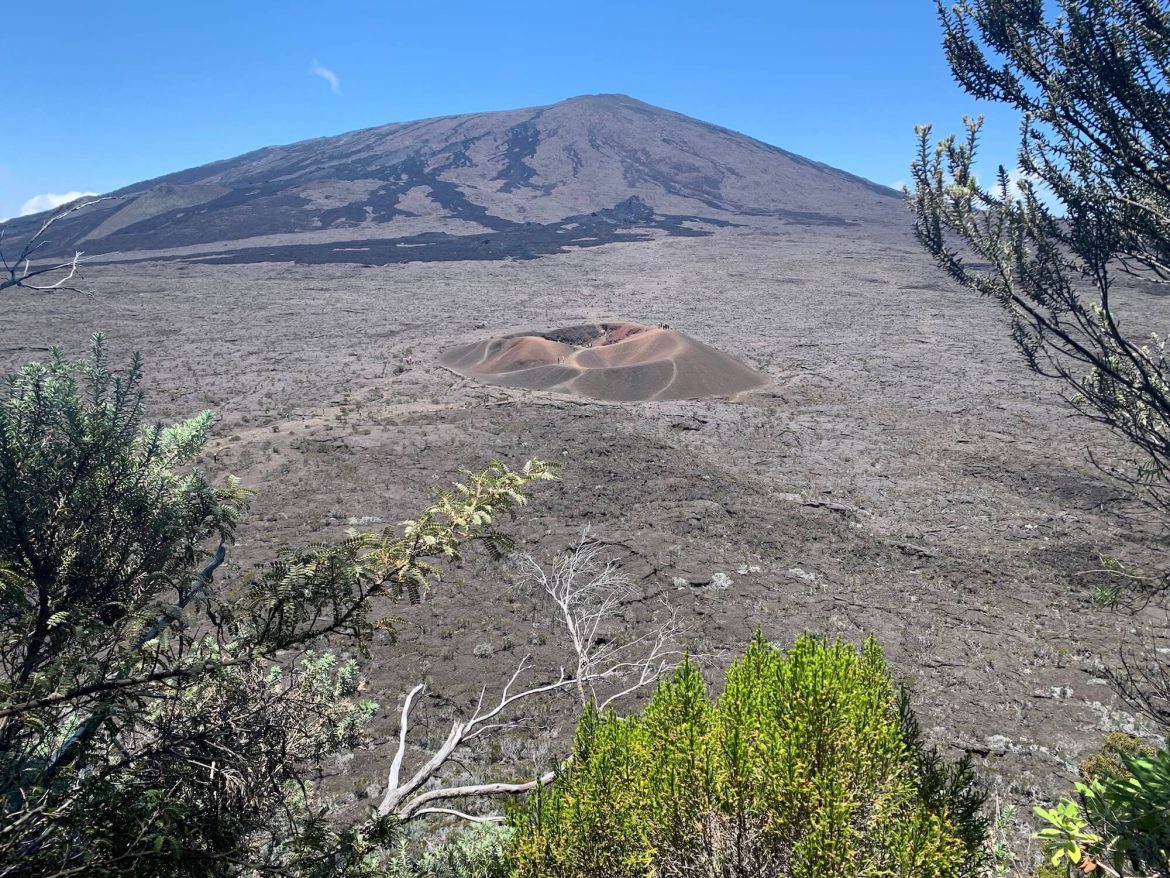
[{"x": 100, "y": 95}]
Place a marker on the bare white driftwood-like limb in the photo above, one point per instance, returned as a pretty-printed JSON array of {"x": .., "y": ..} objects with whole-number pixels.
[
  {"x": 587, "y": 594},
  {"x": 396, "y": 799},
  {"x": 20, "y": 271},
  {"x": 462, "y": 815}
]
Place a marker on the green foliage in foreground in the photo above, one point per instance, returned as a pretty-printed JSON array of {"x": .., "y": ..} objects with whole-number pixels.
[
  {"x": 149, "y": 722},
  {"x": 1089, "y": 80},
  {"x": 484, "y": 851},
  {"x": 1121, "y": 825},
  {"x": 809, "y": 764}
]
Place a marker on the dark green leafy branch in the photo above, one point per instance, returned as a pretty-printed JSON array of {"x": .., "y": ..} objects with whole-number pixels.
[
  {"x": 147, "y": 721},
  {"x": 1093, "y": 87}
]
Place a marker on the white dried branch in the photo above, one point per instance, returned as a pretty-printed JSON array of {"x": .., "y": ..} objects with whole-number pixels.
[
  {"x": 461, "y": 732},
  {"x": 588, "y": 594},
  {"x": 462, "y": 815},
  {"x": 411, "y": 808},
  {"x": 20, "y": 270},
  {"x": 396, "y": 765},
  {"x": 71, "y": 266}
]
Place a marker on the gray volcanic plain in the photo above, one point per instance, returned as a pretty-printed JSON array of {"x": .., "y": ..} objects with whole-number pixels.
[{"x": 900, "y": 473}]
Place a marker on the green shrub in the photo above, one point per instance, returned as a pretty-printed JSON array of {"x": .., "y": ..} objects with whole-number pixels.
[
  {"x": 482, "y": 851},
  {"x": 809, "y": 764},
  {"x": 156, "y": 720},
  {"x": 1122, "y": 818},
  {"x": 1107, "y": 762}
]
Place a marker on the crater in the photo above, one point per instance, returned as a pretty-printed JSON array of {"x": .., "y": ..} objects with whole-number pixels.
[{"x": 618, "y": 360}]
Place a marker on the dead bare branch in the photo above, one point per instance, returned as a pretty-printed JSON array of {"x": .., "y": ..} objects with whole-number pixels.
[
  {"x": 587, "y": 593},
  {"x": 20, "y": 271}
]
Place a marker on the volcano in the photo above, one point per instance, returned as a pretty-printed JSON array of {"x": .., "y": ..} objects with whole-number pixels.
[
  {"x": 619, "y": 360},
  {"x": 510, "y": 184}
]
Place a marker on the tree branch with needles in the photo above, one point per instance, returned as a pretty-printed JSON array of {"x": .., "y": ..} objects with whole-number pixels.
[{"x": 140, "y": 697}]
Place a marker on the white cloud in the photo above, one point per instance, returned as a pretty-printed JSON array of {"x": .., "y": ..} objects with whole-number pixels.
[
  {"x": 319, "y": 69},
  {"x": 1017, "y": 175},
  {"x": 1046, "y": 196},
  {"x": 51, "y": 201}
]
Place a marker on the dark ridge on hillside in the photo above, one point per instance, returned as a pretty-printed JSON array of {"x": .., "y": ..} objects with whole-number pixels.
[
  {"x": 628, "y": 222},
  {"x": 512, "y": 173}
]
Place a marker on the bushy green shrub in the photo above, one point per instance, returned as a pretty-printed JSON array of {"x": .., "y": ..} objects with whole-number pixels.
[
  {"x": 1132, "y": 808},
  {"x": 483, "y": 851},
  {"x": 809, "y": 764},
  {"x": 1122, "y": 819},
  {"x": 156, "y": 720},
  {"x": 1108, "y": 761}
]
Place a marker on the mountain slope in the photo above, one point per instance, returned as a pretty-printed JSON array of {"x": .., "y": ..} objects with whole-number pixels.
[{"x": 513, "y": 174}]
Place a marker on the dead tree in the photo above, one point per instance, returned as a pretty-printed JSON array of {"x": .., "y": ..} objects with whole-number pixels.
[
  {"x": 587, "y": 594},
  {"x": 20, "y": 272}
]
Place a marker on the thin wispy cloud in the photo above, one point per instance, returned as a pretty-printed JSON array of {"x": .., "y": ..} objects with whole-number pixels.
[
  {"x": 319, "y": 69},
  {"x": 1045, "y": 194},
  {"x": 51, "y": 201}
]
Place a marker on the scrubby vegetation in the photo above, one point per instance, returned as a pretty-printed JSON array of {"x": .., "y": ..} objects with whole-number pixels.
[
  {"x": 1120, "y": 824},
  {"x": 1091, "y": 205},
  {"x": 483, "y": 851},
  {"x": 148, "y": 721},
  {"x": 152, "y": 723},
  {"x": 808, "y": 764}
]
